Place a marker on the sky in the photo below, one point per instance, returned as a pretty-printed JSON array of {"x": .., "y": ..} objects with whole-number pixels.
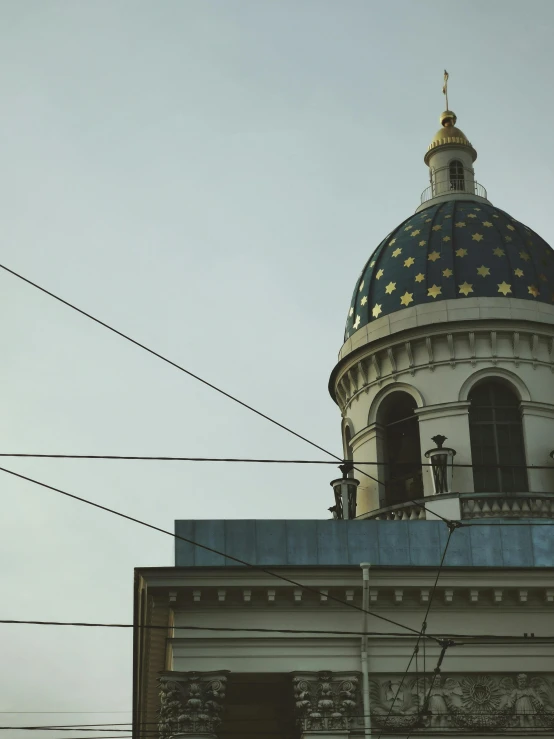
[{"x": 208, "y": 176}]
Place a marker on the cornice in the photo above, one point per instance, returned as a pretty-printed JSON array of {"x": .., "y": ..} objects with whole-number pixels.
[{"x": 399, "y": 357}]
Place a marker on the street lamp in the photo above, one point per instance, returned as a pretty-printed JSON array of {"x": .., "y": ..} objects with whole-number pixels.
[
  {"x": 345, "y": 489},
  {"x": 442, "y": 461}
]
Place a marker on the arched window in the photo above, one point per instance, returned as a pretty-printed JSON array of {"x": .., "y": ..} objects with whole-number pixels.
[
  {"x": 456, "y": 172},
  {"x": 496, "y": 434},
  {"x": 402, "y": 451}
]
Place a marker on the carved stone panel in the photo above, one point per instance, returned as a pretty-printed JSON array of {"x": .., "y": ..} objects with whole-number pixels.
[
  {"x": 190, "y": 702},
  {"x": 463, "y": 702},
  {"x": 326, "y": 701}
]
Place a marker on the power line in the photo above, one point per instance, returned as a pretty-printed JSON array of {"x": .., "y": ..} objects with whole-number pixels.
[
  {"x": 167, "y": 360},
  {"x": 423, "y": 629},
  {"x": 436, "y": 672},
  {"x": 259, "y": 568},
  {"x": 204, "y": 628},
  {"x": 480, "y": 639},
  {"x": 179, "y": 367},
  {"x": 253, "y": 460}
]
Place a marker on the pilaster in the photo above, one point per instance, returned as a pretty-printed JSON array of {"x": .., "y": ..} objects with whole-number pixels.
[
  {"x": 191, "y": 704},
  {"x": 326, "y": 703}
]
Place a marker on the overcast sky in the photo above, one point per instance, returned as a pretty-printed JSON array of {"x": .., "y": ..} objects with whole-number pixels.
[{"x": 209, "y": 176}]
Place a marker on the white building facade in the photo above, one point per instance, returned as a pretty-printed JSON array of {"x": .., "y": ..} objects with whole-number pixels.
[{"x": 445, "y": 384}]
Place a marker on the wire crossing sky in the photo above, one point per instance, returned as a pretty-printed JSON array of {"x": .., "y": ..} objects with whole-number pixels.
[{"x": 212, "y": 177}]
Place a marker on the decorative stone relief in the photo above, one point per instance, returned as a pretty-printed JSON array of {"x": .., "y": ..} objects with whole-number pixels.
[
  {"x": 326, "y": 701},
  {"x": 190, "y": 702},
  {"x": 472, "y": 702}
]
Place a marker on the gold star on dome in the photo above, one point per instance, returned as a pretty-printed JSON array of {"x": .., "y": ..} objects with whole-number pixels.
[
  {"x": 396, "y": 252},
  {"x": 376, "y": 310},
  {"x": 510, "y": 227},
  {"x": 518, "y": 272},
  {"x": 507, "y": 239},
  {"x": 379, "y": 274},
  {"x": 542, "y": 277},
  {"x": 407, "y": 298},
  {"x": 461, "y": 252},
  {"x": 392, "y": 241},
  {"x": 433, "y": 256},
  {"x": 532, "y": 290},
  {"x": 372, "y": 264},
  {"x": 428, "y": 220},
  {"x": 466, "y": 288},
  {"x": 361, "y": 287},
  {"x": 416, "y": 232},
  {"x": 471, "y": 215},
  {"x": 487, "y": 224},
  {"x": 460, "y": 224},
  {"x": 420, "y": 277},
  {"x": 477, "y": 209},
  {"x": 351, "y": 312},
  {"x": 356, "y": 322},
  {"x": 446, "y": 238},
  {"x": 447, "y": 272},
  {"x": 437, "y": 227},
  {"x": 432, "y": 292},
  {"x": 504, "y": 288},
  {"x": 477, "y": 237},
  {"x": 363, "y": 301},
  {"x": 408, "y": 227},
  {"x": 526, "y": 257},
  {"x": 409, "y": 261},
  {"x": 498, "y": 252},
  {"x": 448, "y": 216},
  {"x": 483, "y": 271},
  {"x": 390, "y": 287},
  {"x": 494, "y": 215}
]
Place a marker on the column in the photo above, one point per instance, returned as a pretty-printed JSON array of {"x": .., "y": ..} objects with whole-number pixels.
[
  {"x": 538, "y": 423},
  {"x": 327, "y": 704},
  {"x": 191, "y": 704},
  {"x": 367, "y": 446}
]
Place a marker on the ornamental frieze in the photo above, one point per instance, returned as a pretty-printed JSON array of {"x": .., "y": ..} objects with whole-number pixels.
[{"x": 470, "y": 702}]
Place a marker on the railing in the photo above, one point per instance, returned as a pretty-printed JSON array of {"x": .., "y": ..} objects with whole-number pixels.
[
  {"x": 451, "y": 186},
  {"x": 502, "y": 505},
  {"x": 473, "y": 505}
]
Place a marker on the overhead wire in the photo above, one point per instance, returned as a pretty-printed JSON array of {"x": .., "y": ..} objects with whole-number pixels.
[
  {"x": 230, "y": 557},
  {"x": 186, "y": 371},
  {"x": 422, "y": 632},
  {"x": 423, "y": 711},
  {"x": 469, "y": 639},
  {"x": 177, "y": 366},
  {"x": 256, "y": 460},
  {"x": 224, "y": 629}
]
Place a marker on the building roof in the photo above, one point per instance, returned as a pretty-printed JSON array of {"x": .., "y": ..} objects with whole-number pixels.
[
  {"x": 452, "y": 250},
  {"x": 323, "y": 543}
]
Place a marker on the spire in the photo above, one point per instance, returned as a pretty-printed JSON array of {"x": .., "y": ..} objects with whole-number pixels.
[
  {"x": 450, "y": 157},
  {"x": 445, "y": 87}
]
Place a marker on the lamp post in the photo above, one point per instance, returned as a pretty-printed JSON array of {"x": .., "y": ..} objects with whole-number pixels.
[
  {"x": 345, "y": 489},
  {"x": 442, "y": 460}
]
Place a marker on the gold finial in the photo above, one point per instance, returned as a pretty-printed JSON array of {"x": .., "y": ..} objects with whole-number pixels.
[{"x": 445, "y": 87}]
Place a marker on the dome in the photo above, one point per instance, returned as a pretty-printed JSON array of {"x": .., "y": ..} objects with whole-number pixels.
[{"x": 452, "y": 250}]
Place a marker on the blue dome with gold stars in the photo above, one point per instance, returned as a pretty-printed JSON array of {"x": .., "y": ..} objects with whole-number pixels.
[{"x": 452, "y": 250}]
